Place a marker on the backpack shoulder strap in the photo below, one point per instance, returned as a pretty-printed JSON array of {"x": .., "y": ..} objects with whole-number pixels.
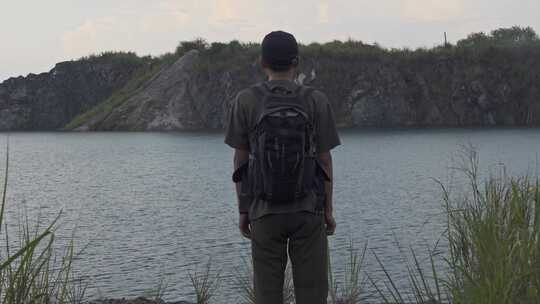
[
  {"x": 262, "y": 89},
  {"x": 259, "y": 90},
  {"x": 306, "y": 91},
  {"x": 306, "y": 97},
  {"x": 305, "y": 94}
]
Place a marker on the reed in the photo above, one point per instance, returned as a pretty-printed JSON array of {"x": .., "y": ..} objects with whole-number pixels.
[
  {"x": 353, "y": 281},
  {"x": 243, "y": 277},
  {"x": 424, "y": 286},
  {"x": 494, "y": 238},
  {"x": 205, "y": 283},
  {"x": 30, "y": 273}
]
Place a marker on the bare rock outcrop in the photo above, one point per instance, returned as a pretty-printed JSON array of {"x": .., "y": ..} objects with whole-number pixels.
[
  {"x": 176, "y": 98},
  {"x": 48, "y": 101}
]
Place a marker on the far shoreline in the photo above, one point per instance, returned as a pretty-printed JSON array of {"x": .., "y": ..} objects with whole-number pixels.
[{"x": 354, "y": 129}]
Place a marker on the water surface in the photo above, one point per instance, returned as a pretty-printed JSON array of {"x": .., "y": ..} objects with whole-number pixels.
[{"x": 147, "y": 206}]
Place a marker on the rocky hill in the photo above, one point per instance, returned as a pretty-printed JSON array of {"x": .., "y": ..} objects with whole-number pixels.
[
  {"x": 483, "y": 80},
  {"x": 172, "y": 99},
  {"x": 49, "y": 101}
]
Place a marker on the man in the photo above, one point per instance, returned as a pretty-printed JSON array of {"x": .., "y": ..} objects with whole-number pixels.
[{"x": 282, "y": 134}]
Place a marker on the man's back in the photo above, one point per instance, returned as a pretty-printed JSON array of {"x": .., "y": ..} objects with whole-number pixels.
[
  {"x": 244, "y": 114},
  {"x": 294, "y": 226}
]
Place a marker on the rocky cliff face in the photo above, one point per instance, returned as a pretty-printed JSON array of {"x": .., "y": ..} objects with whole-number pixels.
[
  {"x": 446, "y": 91},
  {"x": 181, "y": 96},
  {"x": 367, "y": 88},
  {"x": 500, "y": 88},
  {"x": 173, "y": 99},
  {"x": 50, "y": 100}
]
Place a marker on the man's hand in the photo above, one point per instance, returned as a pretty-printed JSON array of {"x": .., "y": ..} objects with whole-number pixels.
[
  {"x": 330, "y": 223},
  {"x": 243, "y": 224}
]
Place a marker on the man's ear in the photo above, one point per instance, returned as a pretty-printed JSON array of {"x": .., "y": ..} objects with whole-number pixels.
[
  {"x": 264, "y": 66},
  {"x": 295, "y": 61},
  {"x": 262, "y": 63}
]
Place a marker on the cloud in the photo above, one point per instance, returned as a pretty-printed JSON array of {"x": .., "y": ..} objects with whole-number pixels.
[
  {"x": 155, "y": 27},
  {"x": 89, "y": 37},
  {"x": 431, "y": 10},
  {"x": 323, "y": 9},
  {"x": 140, "y": 30},
  {"x": 227, "y": 11},
  {"x": 236, "y": 19},
  {"x": 169, "y": 16},
  {"x": 223, "y": 11}
]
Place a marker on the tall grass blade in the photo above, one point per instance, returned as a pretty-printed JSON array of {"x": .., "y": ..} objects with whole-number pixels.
[
  {"x": 205, "y": 284},
  {"x": 4, "y": 190},
  {"x": 30, "y": 246},
  {"x": 30, "y": 275},
  {"x": 244, "y": 280},
  {"x": 394, "y": 291}
]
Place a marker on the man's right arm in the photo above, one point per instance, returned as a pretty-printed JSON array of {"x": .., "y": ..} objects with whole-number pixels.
[
  {"x": 327, "y": 139},
  {"x": 326, "y": 162},
  {"x": 237, "y": 137},
  {"x": 241, "y": 156}
]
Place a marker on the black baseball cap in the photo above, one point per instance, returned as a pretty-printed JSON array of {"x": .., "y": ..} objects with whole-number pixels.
[{"x": 279, "y": 50}]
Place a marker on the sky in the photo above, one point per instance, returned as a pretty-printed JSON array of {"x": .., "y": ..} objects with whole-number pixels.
[{"x": 34, "y": 35}]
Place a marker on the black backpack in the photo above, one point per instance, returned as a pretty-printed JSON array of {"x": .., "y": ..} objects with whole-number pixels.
[{"x": 282, "y": 162}]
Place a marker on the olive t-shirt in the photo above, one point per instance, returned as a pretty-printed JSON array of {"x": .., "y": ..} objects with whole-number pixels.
[{"x": 242, "y": 118}]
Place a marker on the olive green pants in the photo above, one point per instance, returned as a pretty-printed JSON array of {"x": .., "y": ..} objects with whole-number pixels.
[{"x": 304, "y": 235}]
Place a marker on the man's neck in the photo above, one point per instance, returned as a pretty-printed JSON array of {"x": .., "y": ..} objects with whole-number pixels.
[
  {"x": 288, "y": 75},
  {"x": 279, "y": 77}
]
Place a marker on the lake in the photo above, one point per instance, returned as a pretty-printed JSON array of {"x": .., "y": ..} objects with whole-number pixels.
[{"x": 147, "y": 207}]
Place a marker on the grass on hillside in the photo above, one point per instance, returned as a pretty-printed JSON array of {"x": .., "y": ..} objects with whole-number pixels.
[{"x": 135, "y": 85}]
